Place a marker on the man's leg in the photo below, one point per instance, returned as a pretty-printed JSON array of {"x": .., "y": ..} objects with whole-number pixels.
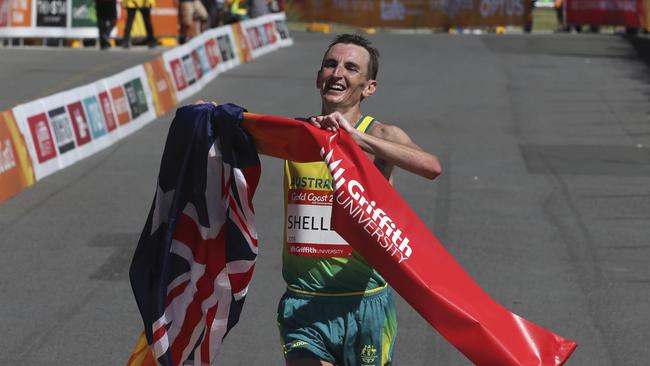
[
  {"x": 370, "y": 332},
  {"x": 187, "y": 20},
  {"x": 130, "y": 15},
  {"x": 305, "y": 326}
]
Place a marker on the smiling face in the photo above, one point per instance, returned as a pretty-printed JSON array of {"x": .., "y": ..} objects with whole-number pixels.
[{"x": 343, "y": 78}]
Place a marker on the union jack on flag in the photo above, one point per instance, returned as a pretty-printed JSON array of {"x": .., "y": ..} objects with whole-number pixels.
[{"x": 196, "y": 254}]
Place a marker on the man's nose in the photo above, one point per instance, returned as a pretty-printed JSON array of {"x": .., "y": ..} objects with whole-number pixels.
[{"x": 338, "y": 71}]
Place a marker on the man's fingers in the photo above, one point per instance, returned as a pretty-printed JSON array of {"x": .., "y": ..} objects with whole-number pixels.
[
  {"x": 201, "y": 101},
  {"x": 314, "y": 122}
]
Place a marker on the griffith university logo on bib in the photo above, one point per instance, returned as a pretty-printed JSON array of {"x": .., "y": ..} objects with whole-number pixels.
[{"x": 309, "y": 229}]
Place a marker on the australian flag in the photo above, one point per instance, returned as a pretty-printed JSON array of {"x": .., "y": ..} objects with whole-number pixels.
[{"x": 196, "y": 255}]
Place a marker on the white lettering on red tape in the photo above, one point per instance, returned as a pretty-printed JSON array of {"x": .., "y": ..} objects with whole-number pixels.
[{"x": 375, "y": 221}]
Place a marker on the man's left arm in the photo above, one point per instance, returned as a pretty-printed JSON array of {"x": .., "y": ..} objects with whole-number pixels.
[{"x": 388, "y": 143}]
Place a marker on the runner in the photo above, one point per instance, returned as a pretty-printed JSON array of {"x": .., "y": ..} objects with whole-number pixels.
[{"x": 337, "y": 310}]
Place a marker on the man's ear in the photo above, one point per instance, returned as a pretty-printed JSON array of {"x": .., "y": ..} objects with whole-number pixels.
[{"x": 370, "y": 88}]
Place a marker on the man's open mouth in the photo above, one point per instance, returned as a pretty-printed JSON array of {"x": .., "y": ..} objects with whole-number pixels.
[{"x": 336, "y": 87}]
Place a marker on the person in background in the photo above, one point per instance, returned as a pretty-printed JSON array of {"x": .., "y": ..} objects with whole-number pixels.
[
  {"x": 217, "y": 14},
  {"x": 106, "y": 11},
  {"x": 189, "y": 11},
  {"x": 237, "y": 10},
  {"x": 144, "y": 6}
]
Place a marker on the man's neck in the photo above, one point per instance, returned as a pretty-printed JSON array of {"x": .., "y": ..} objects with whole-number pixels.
[{"x": 353, "y": 114}]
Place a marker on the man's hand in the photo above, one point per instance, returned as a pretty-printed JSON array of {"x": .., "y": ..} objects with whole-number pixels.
[
  {"x": 332, "y": 122},
  {"x": 201, "y": 101}
]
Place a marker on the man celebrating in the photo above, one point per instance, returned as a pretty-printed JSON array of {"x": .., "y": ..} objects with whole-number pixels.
[{"x": 337, "y": 310}]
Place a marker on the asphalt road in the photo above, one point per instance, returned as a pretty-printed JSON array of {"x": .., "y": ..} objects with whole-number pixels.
[{"x": 544, "y": 199}]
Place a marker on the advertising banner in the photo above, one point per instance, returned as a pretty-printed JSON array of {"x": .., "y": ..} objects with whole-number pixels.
[
  {"x": 34, "y": 125},
  {"x": 20, "y": 13},
  {"x": 83, "y": 13},
  {"x": 197, "y": 62},
  {"x": 86, "y": 107},
  {"x": 628, "y": 13},
  {"x": 4, "y": 13},
  {"x": 132, "y": 99},
  {"x": 56, "y": 131},
  {"x": 164, "y": 97},
  {"x": 64, "y": 129},
  {"x": 16, "y": 172},
  {"x": 241, "y": 42},
  {"x": 415, "y": 13},
  {"x": 52, "y": 13}
]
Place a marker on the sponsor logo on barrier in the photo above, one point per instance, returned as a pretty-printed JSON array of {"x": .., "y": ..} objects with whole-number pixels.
[
  {"x": 282, "y": 28},
  {"x": 203, "y": 59},
  {"x": 451, "y": 7},
  {"x": 502, "y": 8},
  {"x": 196, "y": 63},
  {"x": 164, "y": 97},
  {"x": 136, "y": 96},
  {"x": 212, "y": 51},
  {"x": 349, "y": 193},
  {"x": 95, "y": 118},
  {"x": 121, "y": 105},
  {"x": 16, "y": 170},
  {"x": 83, "y": 13},
  {"x": 79, "y": 123},
  {"x": 7, "y": 158},
  {"x": 270, "y": 33},
  {"x": 242, "y": 45},
  {"x": 190, "y": 70},
  {"x": 51, "y": 13},
  {"x": 255, "y": 36},
  {"x": 225, "y": 48},
  {"x": 178, "y": 74},
  {"x": 392, "y": 10},
  {"x": 42, "y": 137},
  {"x": 62, "y": 128},
  {"x": 20, "y": 13},
  {"x": 107, "y": 110}
]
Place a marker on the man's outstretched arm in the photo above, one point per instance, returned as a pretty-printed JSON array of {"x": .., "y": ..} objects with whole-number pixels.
[{"x": 386, "y": 142}]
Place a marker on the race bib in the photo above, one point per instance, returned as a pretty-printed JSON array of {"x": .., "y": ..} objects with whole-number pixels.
[{"x": 309, "y": 228}]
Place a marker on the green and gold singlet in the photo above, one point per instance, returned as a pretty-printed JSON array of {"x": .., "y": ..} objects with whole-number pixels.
[{"x": 316, "y": 260}]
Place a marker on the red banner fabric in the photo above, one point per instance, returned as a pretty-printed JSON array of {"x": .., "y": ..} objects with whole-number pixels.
[
  {"x": 375, "y": 220},
  {"x": 628, "y": 13}
]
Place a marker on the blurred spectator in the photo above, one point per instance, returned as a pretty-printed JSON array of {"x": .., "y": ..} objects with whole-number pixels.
[
  {"x": 562, "y": 26},
  {"x": 144, "y": 6},
  {"x": 528, "y": 26},
  {"x": 559, "y": 14},
  {"x": 237, "y": 10},
  {"x": 106, "y": 11},
  {"x": 216, "y": 13},
  {"x": 189, "y": 11}
]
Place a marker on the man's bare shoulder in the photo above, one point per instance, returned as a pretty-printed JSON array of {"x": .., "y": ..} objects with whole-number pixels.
[{"x": 388, "y": 132}]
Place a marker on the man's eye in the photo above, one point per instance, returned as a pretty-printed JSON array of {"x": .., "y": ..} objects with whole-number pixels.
[{"x": 352, "y": 68}]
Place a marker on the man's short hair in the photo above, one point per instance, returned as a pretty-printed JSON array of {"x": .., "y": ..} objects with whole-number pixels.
[{"x": 355, "y": 39}]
